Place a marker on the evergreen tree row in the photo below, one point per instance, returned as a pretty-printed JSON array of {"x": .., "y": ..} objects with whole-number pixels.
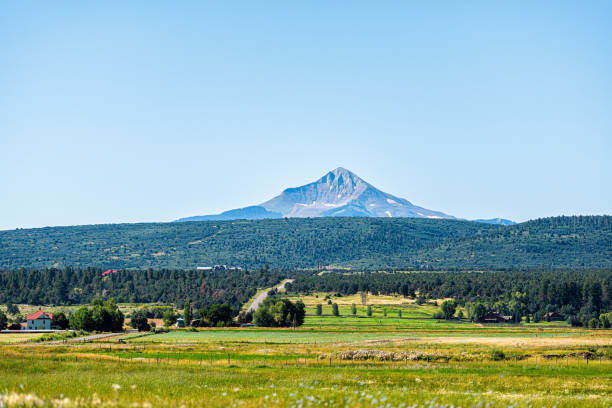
[{"x": 80, "y": 286}]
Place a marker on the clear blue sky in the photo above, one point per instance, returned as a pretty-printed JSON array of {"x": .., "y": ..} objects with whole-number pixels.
[{"x": 158, "y": 110}]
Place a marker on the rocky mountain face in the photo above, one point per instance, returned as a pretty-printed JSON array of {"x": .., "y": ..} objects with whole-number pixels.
[
  {"x": 342, "y": 193},
  {"x": 339, "y": 193}
]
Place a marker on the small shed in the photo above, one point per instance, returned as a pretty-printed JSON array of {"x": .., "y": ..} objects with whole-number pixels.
[{"x": 180, "y": 322}]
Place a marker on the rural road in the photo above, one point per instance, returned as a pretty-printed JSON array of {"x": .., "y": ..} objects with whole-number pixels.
[
  {"x": 87, "y": 338},
  {"x": 264, "y": 295}
]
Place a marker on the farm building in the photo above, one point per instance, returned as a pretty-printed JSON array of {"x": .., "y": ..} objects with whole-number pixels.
[
  {"x": 38, "y": 321},
  {"x": 180, "y": 322},
  {"x": 552, "y": 317},
  {"x": 493, "y": 317}
]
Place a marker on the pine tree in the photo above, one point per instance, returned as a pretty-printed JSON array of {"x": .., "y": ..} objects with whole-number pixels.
[
  {"x": 335, "y": 310},
  {"x": 188, "y": 313}
]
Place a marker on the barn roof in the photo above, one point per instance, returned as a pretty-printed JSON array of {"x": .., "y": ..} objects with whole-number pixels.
[{"x": 39, "y": 315}]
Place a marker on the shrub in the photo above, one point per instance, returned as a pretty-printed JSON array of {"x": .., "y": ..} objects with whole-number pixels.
[
  {"x": 353, "y": 309},
  {"x": 319, "y": 309},
  {"x": 369, "y": 311},
  {"x": 498, "y": 355}
]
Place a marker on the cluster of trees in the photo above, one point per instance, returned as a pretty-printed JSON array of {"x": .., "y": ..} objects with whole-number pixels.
[
  {"x": 279, "y": 312},
  {"x": 580, "y": 295},
  {"x": 103, "y": 315},
  {"x": 368, "y": 243},
  {"x": 79, "y": 286},
  {"x": 215, "y": 315}
]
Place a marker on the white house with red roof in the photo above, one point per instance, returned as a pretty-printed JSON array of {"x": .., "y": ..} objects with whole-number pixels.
[{"x": 39, "y": 321}]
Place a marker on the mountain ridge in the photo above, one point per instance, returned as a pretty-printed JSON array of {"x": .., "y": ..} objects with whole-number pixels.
[
  {"x": 357, "y": 242},
  {"x": 338, "y": 193}
]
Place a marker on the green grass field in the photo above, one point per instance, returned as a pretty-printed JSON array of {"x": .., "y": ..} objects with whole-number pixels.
[
  {"x": 331, "y": 361},
  {"x": 114, "y": 383}
]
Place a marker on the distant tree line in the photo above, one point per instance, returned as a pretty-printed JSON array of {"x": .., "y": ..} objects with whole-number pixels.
[
  {"x": 578, "y": 295},
  {"x": 79, "y": 286}
]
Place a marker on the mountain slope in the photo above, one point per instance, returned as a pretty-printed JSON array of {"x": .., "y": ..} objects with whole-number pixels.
[
  {"x": 254, "y": 212},
  {"x": 339, "y": 193},
  {"x": 282, "y": 243},
  {"x": 555, "y": 242},
  {"x": 499, "y": 221}
]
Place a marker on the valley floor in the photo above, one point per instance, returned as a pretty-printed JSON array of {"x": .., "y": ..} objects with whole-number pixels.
[{"x": 332, "y": 366}]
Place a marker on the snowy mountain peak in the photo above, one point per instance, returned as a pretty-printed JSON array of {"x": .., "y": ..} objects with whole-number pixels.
[{"x": 339, "y": 193}]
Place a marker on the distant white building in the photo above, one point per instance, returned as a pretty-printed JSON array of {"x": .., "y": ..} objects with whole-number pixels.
[
  {"x": 39, "y": 321},
  {"x": 217, "y": 268}
]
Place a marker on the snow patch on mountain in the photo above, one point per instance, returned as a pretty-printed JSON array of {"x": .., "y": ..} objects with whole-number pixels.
[{"x": 339, "y": 193}]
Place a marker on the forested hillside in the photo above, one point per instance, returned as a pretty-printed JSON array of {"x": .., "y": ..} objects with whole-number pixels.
[
  {"x": 577, "y": 242},
  {"x": 282, "y": 243},
  {"x": 290, "y": 243}
]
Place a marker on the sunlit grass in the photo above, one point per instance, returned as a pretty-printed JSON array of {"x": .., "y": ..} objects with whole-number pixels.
[
  {"x": 125, "y": 383},
  {"x": 14, "y": 338}
]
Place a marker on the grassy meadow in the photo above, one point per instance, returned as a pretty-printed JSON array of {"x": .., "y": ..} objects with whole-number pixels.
[{"x": 331, "y": 361}]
